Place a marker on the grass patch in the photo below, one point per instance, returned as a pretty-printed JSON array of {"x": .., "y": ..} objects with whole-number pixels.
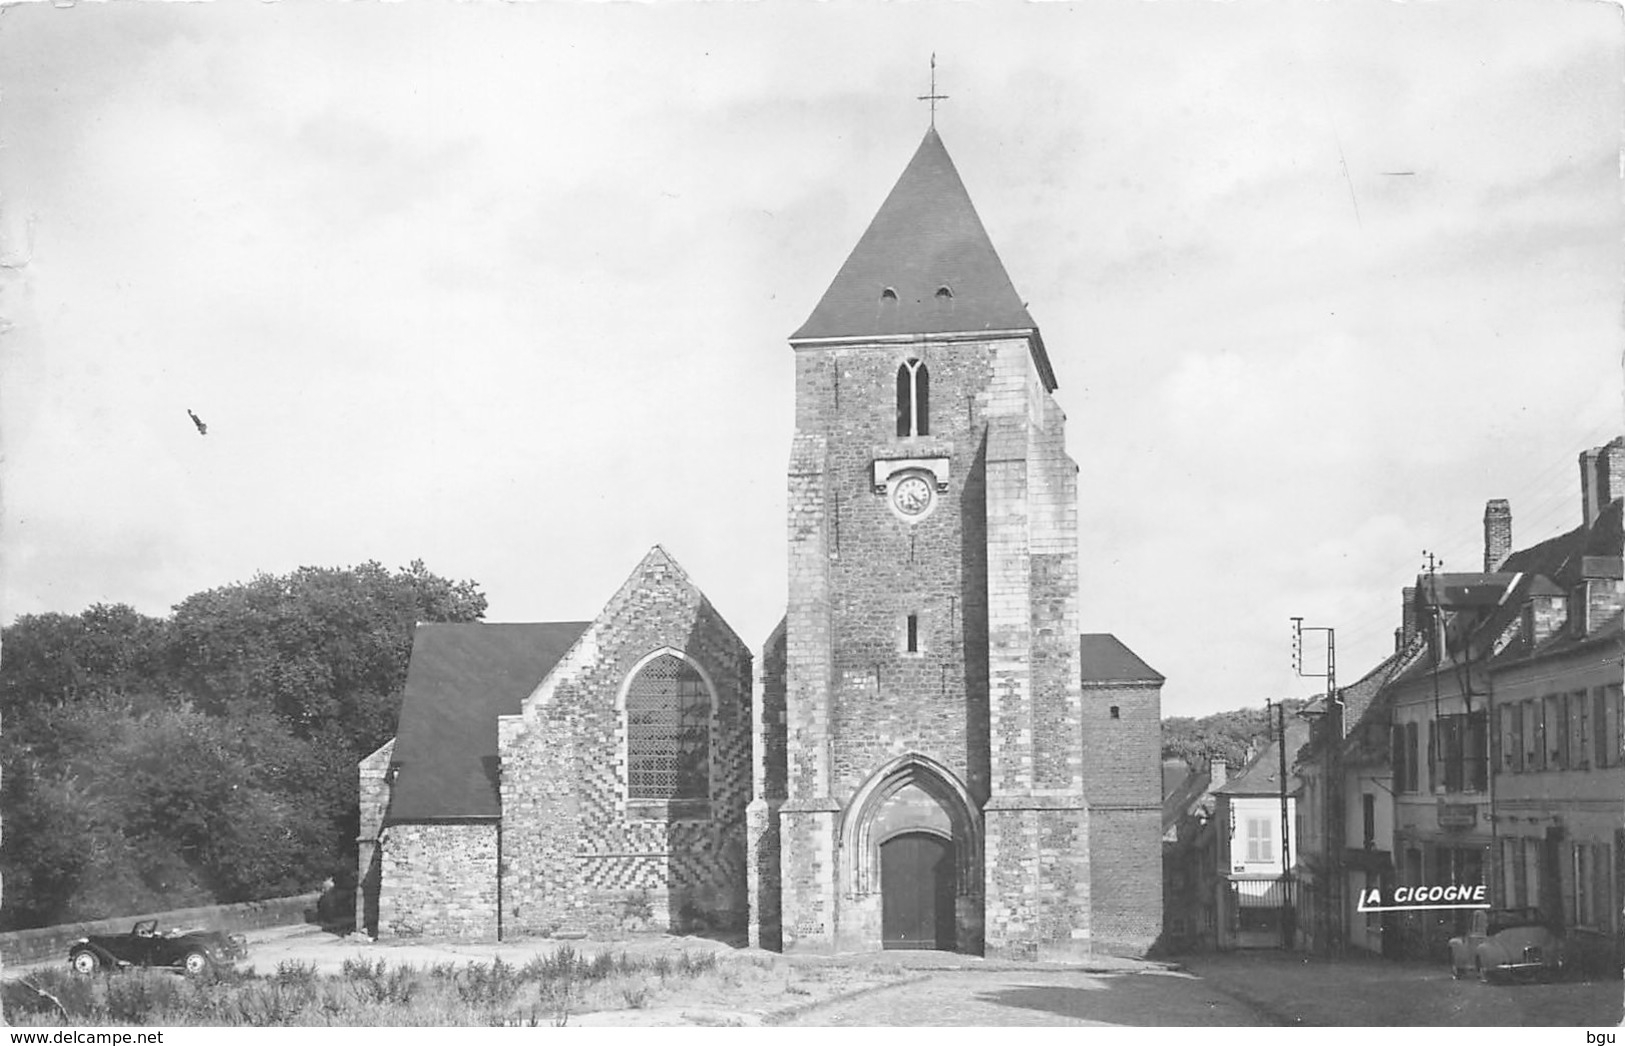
[{"x": 545, "y": 991}]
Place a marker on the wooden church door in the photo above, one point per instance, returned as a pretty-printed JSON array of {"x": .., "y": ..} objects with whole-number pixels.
[{"x": 917, "y": 878}]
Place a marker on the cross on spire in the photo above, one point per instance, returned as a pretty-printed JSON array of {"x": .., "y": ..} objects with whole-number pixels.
[{"x": 933, "y": 97}]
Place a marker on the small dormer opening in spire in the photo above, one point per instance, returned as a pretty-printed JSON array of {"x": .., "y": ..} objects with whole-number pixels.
[
  {"x": 888, "y": 296},
  {"x": 926, "y": 236},
  {"x": 945, "y": 293},
  {"x": 913, "y": 399}
]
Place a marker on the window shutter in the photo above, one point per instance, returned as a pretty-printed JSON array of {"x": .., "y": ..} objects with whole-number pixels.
[{"x": 1496, "y": 742}]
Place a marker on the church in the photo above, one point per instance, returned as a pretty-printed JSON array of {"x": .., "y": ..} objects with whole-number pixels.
[{"x": 926, "y": 754}]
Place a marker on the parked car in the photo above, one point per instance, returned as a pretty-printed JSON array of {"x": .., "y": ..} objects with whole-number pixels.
[
  {"x": 1508, "y": 942},
  {"x": 191, "y": 950}
]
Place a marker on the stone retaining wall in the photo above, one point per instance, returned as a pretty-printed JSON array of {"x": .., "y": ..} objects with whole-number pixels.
[{"x": 51, "y": 942}]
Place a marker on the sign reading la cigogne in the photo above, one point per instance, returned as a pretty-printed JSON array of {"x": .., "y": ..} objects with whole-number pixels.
[{"x": 1418, "y": 898}]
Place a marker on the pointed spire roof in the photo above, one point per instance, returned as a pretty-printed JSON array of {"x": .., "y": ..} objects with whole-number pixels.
[{"x": 924, "y": 238}]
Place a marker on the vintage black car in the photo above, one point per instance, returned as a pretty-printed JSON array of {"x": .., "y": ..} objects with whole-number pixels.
[{"x": 191, "y": 950}]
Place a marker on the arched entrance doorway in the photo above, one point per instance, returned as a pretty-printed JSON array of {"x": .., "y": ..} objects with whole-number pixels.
[
  {"x": 917, "y": 887},
  {"x": 911, "y": 858}
]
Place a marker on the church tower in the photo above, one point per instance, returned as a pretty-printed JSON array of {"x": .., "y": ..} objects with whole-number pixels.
[{"x": 921, "y": 744}]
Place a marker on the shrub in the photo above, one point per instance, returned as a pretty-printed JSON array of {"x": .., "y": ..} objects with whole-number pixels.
[
  {"x": 139, "y": 996},
  {"x": 487, "y": 986},
  {"x": 637, "y": 907},
  {"x": 374, "y": 984},
  {"x": 291, "y": 972}
]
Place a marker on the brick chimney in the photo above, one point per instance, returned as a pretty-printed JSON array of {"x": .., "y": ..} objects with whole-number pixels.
[
  {"x": 1546, "y": 611},
  {"x": 1497, "y": 534},
  {"x": 1407, "y": 618},
  {"x": 1600, "y": 593},
  {"x": 1602, "y": 477},
  {"x": 1218, "y": 773}
]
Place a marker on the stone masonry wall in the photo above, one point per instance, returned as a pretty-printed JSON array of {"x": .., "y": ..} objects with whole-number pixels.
[
  {"x": 1122, "y": 757},
  {"x": 1052, "y": 497},
  {"x": 374, "y": 789},
  {"x": 770, "y": 761},
  {"x": 856, "y": 697},
  {"x": 1037, "y": 820},
  {"x": 438, "y": 880},
  {"x": 1126, "y": 863},
  {"x": 577, "y": 853},
  {"x": 885, "y": 700},
  {"x": 1123, "y": 754}
]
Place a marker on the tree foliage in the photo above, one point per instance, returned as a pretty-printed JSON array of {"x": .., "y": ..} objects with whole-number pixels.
[
  {"x": 205, "y": 757},
  {"x": 1233, "y": 736}
]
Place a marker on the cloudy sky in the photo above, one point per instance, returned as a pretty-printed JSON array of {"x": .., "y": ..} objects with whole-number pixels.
[{"x": 507, "y": 287}]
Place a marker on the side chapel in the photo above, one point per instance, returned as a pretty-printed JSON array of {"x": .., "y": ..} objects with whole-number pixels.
[{"x": 928, "y": 755}]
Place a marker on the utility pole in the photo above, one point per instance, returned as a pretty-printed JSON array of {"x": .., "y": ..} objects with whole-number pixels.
[
  {"x": 1331, "y": 895},
  {"x": 1287, "y": 919}
]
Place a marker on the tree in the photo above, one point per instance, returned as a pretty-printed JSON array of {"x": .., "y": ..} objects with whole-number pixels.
[
  {"x": 1232, "y": 736},
  {"x": 154, "y": 763},
  {"x": 322, "y": 649},
  {"x": 50, "y": 660}
]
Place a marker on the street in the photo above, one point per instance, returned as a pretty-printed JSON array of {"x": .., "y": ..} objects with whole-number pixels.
[
  {"x": 1262, "y": 988},
  {"x": 1041, "y": 997}
]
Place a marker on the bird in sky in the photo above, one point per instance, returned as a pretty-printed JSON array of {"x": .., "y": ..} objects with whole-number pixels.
[{"x": 202, "y": 429}]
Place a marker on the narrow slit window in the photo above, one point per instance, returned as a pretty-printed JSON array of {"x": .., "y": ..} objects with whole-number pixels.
[
  {"x": 1117, "y": 713},
  {"x": 913, "y": 399},
  {"x": 913, "y": 634}
]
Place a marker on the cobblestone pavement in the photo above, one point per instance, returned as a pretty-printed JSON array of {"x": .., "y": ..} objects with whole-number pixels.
[
  {"x": 1265, "y": 988},
  {"x": 1004, "y": 997},
  {"x": 1295, "y": 989}
]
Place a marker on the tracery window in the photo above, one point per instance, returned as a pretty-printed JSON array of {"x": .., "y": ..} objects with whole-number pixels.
[
  {"x": 913, "y": 399},
  {"x": 668, "y": 732}
]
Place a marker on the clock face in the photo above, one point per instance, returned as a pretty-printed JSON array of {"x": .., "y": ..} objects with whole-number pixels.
[{"x": 912, "y": 495}]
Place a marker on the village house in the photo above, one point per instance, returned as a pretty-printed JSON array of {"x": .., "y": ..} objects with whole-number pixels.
[
  {"x": 1554, "y": 704},
  {"x": 1489, "y": 750},
  {"x": 1188, "y": 881},
  {"x": 1253, "y": 898}
]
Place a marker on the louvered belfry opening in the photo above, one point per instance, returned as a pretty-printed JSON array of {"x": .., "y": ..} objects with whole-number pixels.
[
  {"x": 668, "y": 718},
  {"x": 913, "y": 399}
]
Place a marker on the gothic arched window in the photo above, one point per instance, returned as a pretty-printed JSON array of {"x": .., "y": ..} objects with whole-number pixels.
[
  {"x": 668, "y": 731},
  {"x": 913, "y": 399}
]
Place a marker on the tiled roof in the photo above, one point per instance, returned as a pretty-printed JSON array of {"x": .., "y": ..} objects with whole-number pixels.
[
  {"x": 925, "y": 237},
  {"x": 461, "y": 677},
  {"x": 1104, "y": 659}
]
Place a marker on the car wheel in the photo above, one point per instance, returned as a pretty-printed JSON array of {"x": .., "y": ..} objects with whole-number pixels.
[
  {"x": 195, "y": 963},
  {"x": 85, "y": 961}
]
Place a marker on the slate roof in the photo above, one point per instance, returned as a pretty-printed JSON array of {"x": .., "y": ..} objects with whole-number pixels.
[
  {"x": 1262, "y": 776},
  {"x": 1174, "y": 772},
  {"x": 1367, "y": 743},
  {"x": 1185, "y": 797},
  {"x": 1553, "y": 564},
  {"x": 461, "y": 677},
  {"x": 925, "y": 236},
  {"x": 1104, "y": 659}
]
